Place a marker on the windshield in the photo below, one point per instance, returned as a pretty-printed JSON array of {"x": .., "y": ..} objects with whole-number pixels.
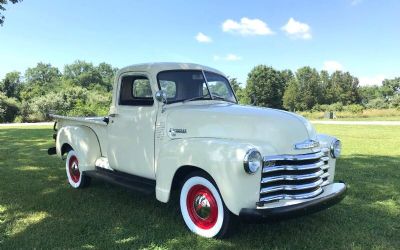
[{"x": 190, "y": 85}]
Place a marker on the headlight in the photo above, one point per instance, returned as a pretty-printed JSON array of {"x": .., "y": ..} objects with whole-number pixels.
[
  {"x": 336, "y": 147},
  {"x": 252, "y": 161}
]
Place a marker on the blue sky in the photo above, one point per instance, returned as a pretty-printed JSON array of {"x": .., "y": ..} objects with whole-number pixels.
[{"x": 360, "y": 36}]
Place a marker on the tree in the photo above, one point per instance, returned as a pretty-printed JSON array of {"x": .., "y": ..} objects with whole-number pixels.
[
  {"x": 343, "y": 88},
  {"x": 308, "y": 87},
  {"x": 287, "y": 76},
  {"x": 267, "y": 84},
  {"x": 11, "y": 84},
  {"x": 107, "y": 73},
  {"x": 291, "y": 98},
  {"x": 9, "y": 108},
  {"x": 83, "y": 74},
  {"x": 2, "y": 8},
  {"x": 40, "y": 80},
  {"x": 368, "y": 93},
  {"x": 391, "y": 87},
  {"x": 43, "y": 74}
]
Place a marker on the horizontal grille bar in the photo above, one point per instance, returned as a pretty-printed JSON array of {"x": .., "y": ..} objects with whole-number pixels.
[
  {"x": 292, "y": 196},
  {"x": 268, "y": 169},
  {"x": 292, "y": 177},
  {"x": 291, "y": 187},
  {"x": 313, "y": 156}
]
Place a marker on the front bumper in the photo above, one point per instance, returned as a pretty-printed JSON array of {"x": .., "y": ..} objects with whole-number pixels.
[{"x": 333, "y": 194}]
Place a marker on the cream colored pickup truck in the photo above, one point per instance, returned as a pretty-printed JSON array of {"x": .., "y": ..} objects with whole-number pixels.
[{"x": 177, "y": 126}]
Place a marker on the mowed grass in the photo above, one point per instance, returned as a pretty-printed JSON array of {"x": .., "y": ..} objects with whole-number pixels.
[{"x": 38, "y": 209}]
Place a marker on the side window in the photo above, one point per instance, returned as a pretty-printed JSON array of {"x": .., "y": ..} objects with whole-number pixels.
[
  {"x": 169, "y": 87},
  {"x": 136, "y": 91},
  {"x": 218, "y": 85}
]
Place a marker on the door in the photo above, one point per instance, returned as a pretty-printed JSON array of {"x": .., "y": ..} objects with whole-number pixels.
[{"x": 131, "y": 127}]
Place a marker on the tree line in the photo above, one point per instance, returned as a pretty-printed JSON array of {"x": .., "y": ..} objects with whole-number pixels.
[
  {"x": 84, "y": 89},
  {"x": 310, "y": 90}
]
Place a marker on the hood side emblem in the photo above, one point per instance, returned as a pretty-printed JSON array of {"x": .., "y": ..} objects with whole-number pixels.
[
  {"x": 174, "y": 131},
  {"x": 307, "y": 144}
]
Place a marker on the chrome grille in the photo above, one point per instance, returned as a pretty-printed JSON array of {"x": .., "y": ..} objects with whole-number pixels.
[{"x": 294, "y": 176}]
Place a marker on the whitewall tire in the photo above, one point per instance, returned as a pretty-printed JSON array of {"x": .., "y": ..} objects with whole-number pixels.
[
  {"x": 202, "y": 207},
  {"x": 76, "y": 178}
]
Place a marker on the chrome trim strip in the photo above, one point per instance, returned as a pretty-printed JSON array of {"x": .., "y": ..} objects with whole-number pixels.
[
  {"x": 320, "y": 164},
  {"x": 325, "y": 175},
  {"x": 313, "y": 156},
  {"x": 292, "y": 177},
  {"x": 325, "y": 183},
  {"x": 292, "y": 197},
  {"x": 325, "y": 158},
  {"x": 291, "y": 187}
]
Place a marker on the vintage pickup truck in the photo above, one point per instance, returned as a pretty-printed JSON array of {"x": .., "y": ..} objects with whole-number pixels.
[{"x": 178, "y": 126}]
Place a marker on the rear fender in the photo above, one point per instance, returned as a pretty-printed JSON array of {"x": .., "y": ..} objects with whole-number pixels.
[{"x": 84, "y": 142}]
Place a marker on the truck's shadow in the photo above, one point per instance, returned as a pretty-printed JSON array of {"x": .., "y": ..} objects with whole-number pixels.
[{"x": 38, "y": 208}]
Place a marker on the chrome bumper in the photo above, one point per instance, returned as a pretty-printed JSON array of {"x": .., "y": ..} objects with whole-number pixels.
[{"x": 333, "y": 194}]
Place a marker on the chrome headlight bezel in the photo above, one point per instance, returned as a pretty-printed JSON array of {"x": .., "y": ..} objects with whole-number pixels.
[
  {"x": 253, "y": 160},
  {"x": 336, "y": 148}
]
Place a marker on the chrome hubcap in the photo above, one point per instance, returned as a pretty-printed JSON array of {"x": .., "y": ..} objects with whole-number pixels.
[{"x": 202, "y": 206}]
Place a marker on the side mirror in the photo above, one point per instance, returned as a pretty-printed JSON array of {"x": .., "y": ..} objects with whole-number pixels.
[{"x": 161, "y": 96}]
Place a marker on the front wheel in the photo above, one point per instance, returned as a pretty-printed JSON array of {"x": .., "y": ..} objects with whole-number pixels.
[
  {"x": 202, "y": 207},
  {"x": 76, "y": 178}
]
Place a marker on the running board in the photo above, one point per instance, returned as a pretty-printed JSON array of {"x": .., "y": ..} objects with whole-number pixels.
[{"x": 133, "y": 182}]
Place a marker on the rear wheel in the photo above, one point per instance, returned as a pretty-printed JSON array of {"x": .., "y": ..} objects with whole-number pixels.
[
  {"x": 76, "y": 178},
  {"x": 202, "y": 207}
]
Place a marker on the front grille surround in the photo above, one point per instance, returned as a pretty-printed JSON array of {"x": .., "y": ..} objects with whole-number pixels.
[{"x": 292, "y": 177}]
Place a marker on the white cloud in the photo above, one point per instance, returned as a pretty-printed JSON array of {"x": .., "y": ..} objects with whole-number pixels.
[
  {"x": 371, "y": 80},
  {"x": 332, "y": 66},
  {"x": 228, "y": 57},
  {"x": 296, "y": 29},
  {"x": 202, "y": 38},
  {"x": 247, "y": 27}
]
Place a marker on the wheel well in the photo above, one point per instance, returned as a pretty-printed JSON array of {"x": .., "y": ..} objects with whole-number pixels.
[
  {"x": 65, "y": 148},
  {"x": 181, "y": 173}
]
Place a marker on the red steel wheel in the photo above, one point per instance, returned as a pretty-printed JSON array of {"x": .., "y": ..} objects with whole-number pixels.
[
  {"x": 202, "y": 207},
  {"x": 76, "y": 178},
  {"x": 73, "y": 168}
]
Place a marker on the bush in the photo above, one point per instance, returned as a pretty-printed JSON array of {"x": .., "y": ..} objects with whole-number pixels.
[
  {"x": 9, "y": 108},
  {"x": 50, "y": 103},
  {"x": 354, "y": 108},
  {"x": 377, "y": 103},
  {"x": 395, "y": 102}
]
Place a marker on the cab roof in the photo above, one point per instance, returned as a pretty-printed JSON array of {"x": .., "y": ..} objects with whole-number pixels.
[{"x": 156, "y": 67}]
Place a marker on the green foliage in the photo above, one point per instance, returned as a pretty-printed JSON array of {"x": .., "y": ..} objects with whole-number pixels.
[
  {"x": 354, "y": 108},
  {"x": 291, "y": 97},
  {"x": 11, "y": 84},
  {"x": 267, "y": 84},
  {"x": 378, "y": 103},
  {"x": 9, "y": 108}
]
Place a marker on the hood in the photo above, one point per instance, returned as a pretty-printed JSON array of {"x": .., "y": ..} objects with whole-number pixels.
[{"x": 259, "y": 126}]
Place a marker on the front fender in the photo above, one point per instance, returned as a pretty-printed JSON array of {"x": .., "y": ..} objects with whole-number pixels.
[
  {"x": 84, "y": 142},
  {"x": 221, "y": 159}
]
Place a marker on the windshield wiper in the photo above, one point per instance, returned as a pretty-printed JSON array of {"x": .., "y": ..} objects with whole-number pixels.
[
  {"x": 218, "y": 97},
  {"x": 195, "y": 98}
]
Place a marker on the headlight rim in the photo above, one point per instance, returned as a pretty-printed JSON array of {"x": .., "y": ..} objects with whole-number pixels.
[
  {"x": 246, "y": 161},
  {"x": 333, "y": 148}
]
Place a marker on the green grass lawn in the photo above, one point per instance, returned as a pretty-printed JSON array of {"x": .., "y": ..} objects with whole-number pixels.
[{"x": 38, "y": 209}]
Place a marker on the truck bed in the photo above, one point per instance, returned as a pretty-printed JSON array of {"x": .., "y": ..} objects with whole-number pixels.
[{"x": 96, "y": 124}]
